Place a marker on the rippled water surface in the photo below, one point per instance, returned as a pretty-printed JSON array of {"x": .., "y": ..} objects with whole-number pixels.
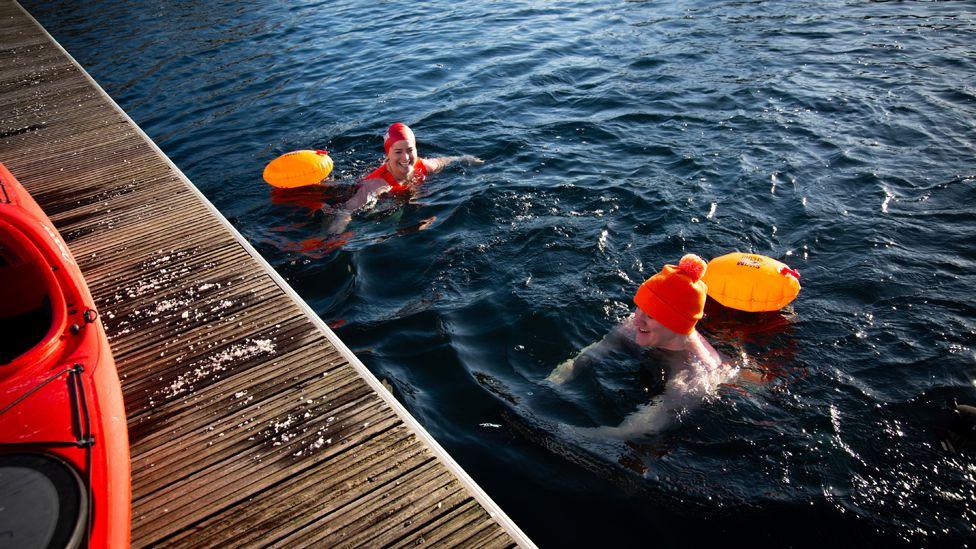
[{"x": 836, "y": 136}]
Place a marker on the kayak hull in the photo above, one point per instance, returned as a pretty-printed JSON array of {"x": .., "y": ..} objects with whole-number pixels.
[{"x": 60, "y": 397}]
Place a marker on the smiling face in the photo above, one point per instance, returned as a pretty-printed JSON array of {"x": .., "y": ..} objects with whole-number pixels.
[
  {"x": 650, "y": 333},
  {"x": 401, "y": 158}
]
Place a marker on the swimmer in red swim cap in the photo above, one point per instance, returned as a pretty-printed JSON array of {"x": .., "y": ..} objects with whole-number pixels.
[{"x": 401, "y": 171}]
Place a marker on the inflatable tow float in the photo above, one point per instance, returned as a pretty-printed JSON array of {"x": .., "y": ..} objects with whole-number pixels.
[
  {"x": 298, "y": 169},
  {"x": 751, "y": 282}
]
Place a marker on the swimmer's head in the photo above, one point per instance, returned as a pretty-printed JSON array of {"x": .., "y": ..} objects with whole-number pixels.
[
  {"x": 398, "y": 131},
  {"x": 401, "y": 151},
  {"x": 675, "y": 297}
]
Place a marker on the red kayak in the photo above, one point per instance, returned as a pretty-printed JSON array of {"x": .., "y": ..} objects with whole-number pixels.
[{"x": 64, "y": 449}]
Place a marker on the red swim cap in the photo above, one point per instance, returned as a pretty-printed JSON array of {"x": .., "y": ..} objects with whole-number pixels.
[{"x": 398, "y": 131}]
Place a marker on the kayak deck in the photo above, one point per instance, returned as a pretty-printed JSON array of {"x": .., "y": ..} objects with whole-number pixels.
[{"x": 249, "y": 422}]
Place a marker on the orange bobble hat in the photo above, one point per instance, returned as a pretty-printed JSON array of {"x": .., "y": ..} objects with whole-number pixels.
[{"x": 675, "y": 297}]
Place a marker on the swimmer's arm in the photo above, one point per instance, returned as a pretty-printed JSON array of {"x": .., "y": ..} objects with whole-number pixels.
[
  {"x": 568, "y": 369},
  {"x": 435, "y": 165},
  {"x": 343, "y": 214}
]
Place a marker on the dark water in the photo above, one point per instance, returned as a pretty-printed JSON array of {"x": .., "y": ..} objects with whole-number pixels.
[{"x": 837, "y": 136}]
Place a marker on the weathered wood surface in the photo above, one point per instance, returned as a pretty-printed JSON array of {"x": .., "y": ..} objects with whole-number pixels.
[{"x": 247, "y": 426}]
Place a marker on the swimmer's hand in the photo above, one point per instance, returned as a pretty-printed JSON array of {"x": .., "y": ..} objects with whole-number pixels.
[
  {"x": 339, "y": 222},
  {"x": 570, "y": 367},
  {"x": 469, "y": 160},
  {"x": 418, "y": 227}
]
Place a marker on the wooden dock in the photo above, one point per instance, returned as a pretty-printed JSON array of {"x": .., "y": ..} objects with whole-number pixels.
[{"x": 250, "y": 423}]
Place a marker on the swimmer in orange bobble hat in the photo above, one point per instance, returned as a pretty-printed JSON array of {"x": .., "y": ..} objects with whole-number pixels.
[
  {"x": 402, "y": 170},
  {"x": 669, "y": 305}
]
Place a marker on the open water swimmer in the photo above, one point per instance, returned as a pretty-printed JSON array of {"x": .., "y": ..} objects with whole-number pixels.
[
  {"x": 669, "y": 305},
  {"x": 401, "y": 172},
  {"x": 833, "y": 137}
]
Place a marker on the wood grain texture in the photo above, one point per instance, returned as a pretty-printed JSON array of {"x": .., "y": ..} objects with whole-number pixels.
[{"x": 247, "y": 426}]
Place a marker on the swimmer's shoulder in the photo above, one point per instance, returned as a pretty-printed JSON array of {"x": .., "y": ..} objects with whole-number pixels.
[{"x": 624, "y": 333}]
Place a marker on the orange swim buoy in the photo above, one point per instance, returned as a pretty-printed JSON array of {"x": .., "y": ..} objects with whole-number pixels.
[
  {"x": 298, "y": 169},
  {"x": 750, "y": 282}
]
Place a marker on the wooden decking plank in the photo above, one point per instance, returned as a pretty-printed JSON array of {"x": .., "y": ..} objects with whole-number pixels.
[
  {"x": 391, "y": 483},
  {"x": 471, "y": 536},
  {"x": 101, "y": 139},
  {"x": 180, "y": 375},
  {"x": 32, "y": 121},
  {"x": 185, "y": 309},
  {"x": 170, "y": 208},
  {"x": 308, "y": 489},
  {"x": 44, "y": 80},
  {"x": 129, "y": 200},
  {"x": 259, "y": 404},
  {"x": 192, "y": 272},
  {"x": 187, "y": 340},
  {"x": 109, "y": 256},
  {"x": 406, "y": 515},
  {"x": 370, "y": 472},
  {"x": 77, "y": 155},
  {"x": 98, "y": 184},
  {"x": 183, "y": 323},
  {"x": 77, "y": 104},
  {"x": 78, "y": 109},
  {"x": 145, "y": 241},
  {"x": 493, "y": 537},
  {"x": 20, "y": 41},
  {"x": 179, "y": 210},
  {"x": 202, "y": 345},
  {"x": 26, "y": 133},
  {"x": 395, "y": 517},
  {"x": 231, "y": 386},
  {"x": 107, "y": 263},
  {"x": 254, "y": 451},
  {"x": 102, "y": 199},
  {"x": 14, "y": 74},
  {"x": 462, "y": 512},
  {"x": 20, "y": 44},
  {"x": 124, "y": 281},
  {"x": 271, "y": 448},
  {"x": 300, "y": 363},
  {"x": 212, "y": 488},
  {"x": 200, "y": 490},
  {"x": 35, "y": 98},
  {"x": 36, "y": 139},
  {"x": 262, "y": 409},
  {"x": 187, "y": 298}
]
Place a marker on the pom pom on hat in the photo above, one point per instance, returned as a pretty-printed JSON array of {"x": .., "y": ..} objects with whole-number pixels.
[
  {"x": 692, "y": 266},
  {"x": 675, "y": 297}
]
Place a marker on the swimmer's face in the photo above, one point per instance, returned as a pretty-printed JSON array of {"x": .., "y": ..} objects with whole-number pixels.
[
  {"x": 650, "y": 333},
  {"x": 401, "y": 158}
]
